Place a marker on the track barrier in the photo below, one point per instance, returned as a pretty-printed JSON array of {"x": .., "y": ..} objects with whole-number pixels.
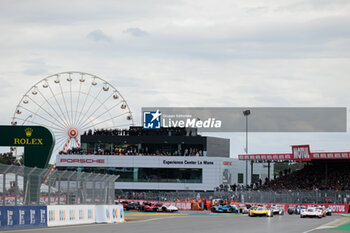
[
  {"x": 59, "y": 215},
  {"x": 109, "y": 213},
  {"x": 13, "y": 217}
]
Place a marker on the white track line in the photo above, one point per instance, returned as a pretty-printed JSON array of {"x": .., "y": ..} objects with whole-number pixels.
[{"x": 324, "y": 226}]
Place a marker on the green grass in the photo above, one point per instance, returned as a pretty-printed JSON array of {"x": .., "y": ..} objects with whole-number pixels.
[{"x": 342, "y": 228}]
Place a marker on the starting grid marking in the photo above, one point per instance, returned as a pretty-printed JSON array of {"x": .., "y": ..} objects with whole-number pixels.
[{"x": 130, "y": 214}]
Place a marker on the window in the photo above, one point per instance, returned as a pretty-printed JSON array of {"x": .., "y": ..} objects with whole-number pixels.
[
  {"x": 240, "y": 178},
  {"x": 256, "y": 178},
  {"x": 161, "y": 175}
]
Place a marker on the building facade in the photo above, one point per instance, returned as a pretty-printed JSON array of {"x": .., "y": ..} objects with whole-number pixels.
[{"x": 167, "y": 172}]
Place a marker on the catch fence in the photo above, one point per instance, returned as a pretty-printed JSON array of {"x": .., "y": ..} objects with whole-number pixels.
[
  {"x": 35, "y": 186},
  {"x": 283, "y": 196}
]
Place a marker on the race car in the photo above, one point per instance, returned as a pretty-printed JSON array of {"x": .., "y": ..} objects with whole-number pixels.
[
  {"x": 243, "y": 208},
  {"x": 166, "y": 208},
  {"x": 148, "y": 207},
  {"x": 296, "y": 209},
  {"x": 124, "y": 203},
  {"x": 313, "y": 212},
  {"x": 277, "y": 209},
  {"x": 224, "y": 209},
  {"x": 235, "y": 208},
  {"x": 133, "y": 206},
  {"x": 260, "y": 211},
  {"x": 328, "y": 211}
]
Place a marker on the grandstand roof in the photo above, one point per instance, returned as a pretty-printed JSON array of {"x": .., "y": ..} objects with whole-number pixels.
[{"x": 299, "y": 153}]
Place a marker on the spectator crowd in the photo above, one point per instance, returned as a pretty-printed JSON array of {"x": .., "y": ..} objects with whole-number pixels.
[
  {"x": 139, "y": 131},
  {"x": 311, "y": 177},
  {"x": 132, "y": 150}
]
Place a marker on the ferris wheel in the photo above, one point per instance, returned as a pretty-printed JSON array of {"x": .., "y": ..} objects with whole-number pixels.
[{"x": 71, "y": 103}]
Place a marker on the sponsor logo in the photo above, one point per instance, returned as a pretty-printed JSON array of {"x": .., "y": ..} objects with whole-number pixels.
[
  {"x": 90, "y": 214},
  {"x": 42, "y": 216},
  {"x": 115, "y": 213},
  {"x": 62, "y": 215},
  {"x": 121, "y": 213},
  {"x": 301, "y": 152},
  {"x": 337, "y": 208},
  {"x": 192, "y": 123},
  {"x": 156, "y": 120},
  {"x": 71, "y": 215},
  {"x": 81, "y": 214},
  {"x": 107, "y": 213},
  {"x": 28, "y": 141},
  {"x": 82, "y": 160},
  {"x": 9, "y": 217},
  {"x": 21, "y": 217},
  {"x": 32, "y": 216},
  {"x": 227, "y": 163},
  {"x": 151, "y": 119},
  {"x": 28, "y": 132},
  {"x": 51, "y": 215}
]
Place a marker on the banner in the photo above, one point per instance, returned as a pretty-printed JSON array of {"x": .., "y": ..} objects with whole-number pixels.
[
  {"x": 109, "y": 213},
  {"x": 12, "y": 217},
  {"x": 299, "y": 153},
  {"x": 59, "y": 215}
]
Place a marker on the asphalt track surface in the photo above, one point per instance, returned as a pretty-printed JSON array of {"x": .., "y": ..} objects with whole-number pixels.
[{"x": 193, "y": 222}]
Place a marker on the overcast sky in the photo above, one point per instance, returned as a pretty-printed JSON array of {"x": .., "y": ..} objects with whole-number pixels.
[{"x": 194, "y": 53}]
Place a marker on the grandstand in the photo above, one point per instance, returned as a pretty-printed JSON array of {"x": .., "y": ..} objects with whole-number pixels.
[{"x": 321, "y": 170}]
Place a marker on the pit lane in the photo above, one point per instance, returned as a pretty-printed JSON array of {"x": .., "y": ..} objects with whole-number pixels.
[{"x": 201, "y": 222}]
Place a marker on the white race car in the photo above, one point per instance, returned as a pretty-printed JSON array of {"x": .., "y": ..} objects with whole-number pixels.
[
  {"x": 312, "y": 212},
  {"x": 277, "y": 209},
  {"x": 167, "y": 208}
]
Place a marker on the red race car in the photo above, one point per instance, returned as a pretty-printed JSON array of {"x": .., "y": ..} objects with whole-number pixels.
[{"x": 149, "y": 207}]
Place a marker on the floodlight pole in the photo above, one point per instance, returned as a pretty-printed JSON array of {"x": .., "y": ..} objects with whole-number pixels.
[{"x": 246, "y": 113}]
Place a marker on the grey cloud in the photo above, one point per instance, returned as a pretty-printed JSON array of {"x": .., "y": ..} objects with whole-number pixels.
[
  {"x": 36, "y": 67},
  {"x": 129, "y": 81},
  {"x": 137, "y": 32},
  {"x": 307, "y": 5},
  {"x": 99, "y": 36}
]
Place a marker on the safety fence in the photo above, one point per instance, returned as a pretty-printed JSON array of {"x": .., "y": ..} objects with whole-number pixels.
[
  {"x": 34, "y": 186},
  {"x": 295, "y": 196}
]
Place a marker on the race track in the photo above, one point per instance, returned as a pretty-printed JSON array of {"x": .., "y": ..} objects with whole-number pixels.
[{"x": 193, "y": 222}]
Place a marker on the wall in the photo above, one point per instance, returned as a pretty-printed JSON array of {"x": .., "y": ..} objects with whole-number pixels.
[
  {"x": 109, "y": 213},
  {"x": 58, "y": 215},
  {"x": 12, "y": 217},
  {"x": 213, "y": 168}
]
